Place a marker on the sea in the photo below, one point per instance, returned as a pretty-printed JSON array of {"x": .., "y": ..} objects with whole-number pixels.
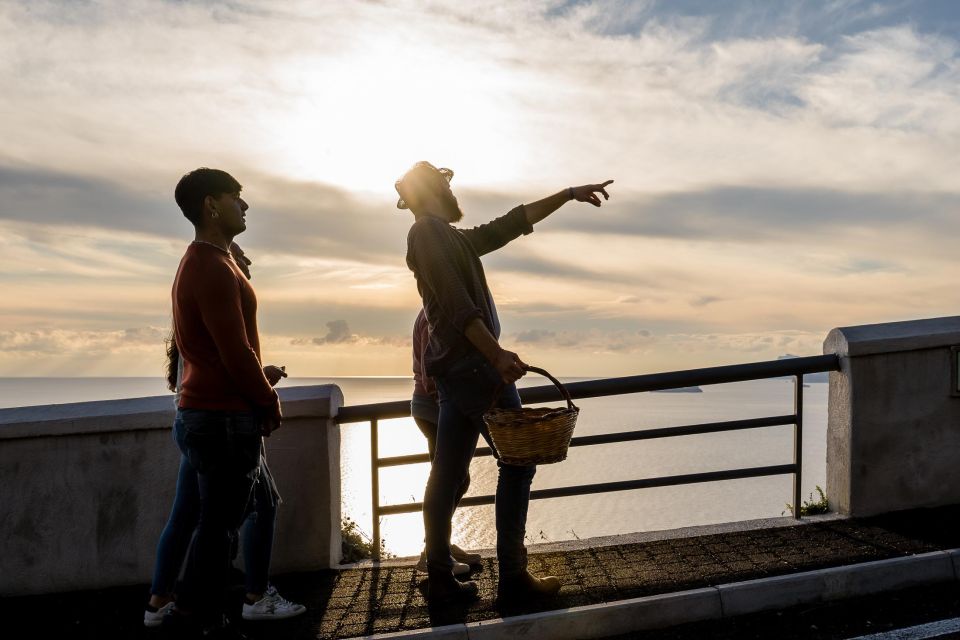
[{"x": 557, "y": 519}]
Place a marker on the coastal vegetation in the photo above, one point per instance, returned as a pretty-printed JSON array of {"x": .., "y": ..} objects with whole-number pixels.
[
  {"x": 356, "y": 545},
  {"x": 811, "y": 507}
]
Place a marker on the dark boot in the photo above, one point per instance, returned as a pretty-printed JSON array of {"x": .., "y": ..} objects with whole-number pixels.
[
  {"x": 443, "y": 587},
  {"x": 519, "y": 588}
]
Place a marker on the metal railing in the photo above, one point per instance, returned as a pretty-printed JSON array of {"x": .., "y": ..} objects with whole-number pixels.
[{"x": 789, "y": 367}]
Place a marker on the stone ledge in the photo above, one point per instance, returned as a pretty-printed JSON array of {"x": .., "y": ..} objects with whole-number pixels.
[
  {"x": 142, "y": 414},
  {"x": 893, "y": 337}
]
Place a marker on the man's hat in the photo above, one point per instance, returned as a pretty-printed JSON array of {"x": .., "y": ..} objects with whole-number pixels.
[{"x": 412, "y": 179}]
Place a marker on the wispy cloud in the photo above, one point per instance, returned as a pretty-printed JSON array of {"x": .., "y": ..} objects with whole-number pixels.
[
  {"x": 51, "y": 342},
  {"x": 781, "y": 168}
]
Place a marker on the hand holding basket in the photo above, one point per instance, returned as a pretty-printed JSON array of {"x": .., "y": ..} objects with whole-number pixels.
[{"x": 530, "y": 436}]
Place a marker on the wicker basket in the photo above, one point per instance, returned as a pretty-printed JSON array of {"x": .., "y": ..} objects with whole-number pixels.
[{"x": 533, "y": 436}]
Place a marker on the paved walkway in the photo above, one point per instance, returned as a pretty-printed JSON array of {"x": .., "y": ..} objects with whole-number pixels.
[{"x": 356, "y": 602}]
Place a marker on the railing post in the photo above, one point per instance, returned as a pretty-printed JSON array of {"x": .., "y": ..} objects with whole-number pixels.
[
  {"x": 797, "y": 443},
  {"x": 375, "y": 488}
]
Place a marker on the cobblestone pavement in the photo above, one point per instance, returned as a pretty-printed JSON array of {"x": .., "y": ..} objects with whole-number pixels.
[{"x": 362, "y": 601}]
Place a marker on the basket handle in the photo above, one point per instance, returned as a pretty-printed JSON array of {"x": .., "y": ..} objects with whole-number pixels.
[
  {"x": 543, "y": 372},
  {"x": 557, "y": 383}
]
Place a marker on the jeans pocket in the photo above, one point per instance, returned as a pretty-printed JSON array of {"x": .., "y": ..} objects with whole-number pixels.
[
  {"x": 244, "y": 442},
  {"x": 204, "y": 448},
  {"x": 244, "y": 452}
]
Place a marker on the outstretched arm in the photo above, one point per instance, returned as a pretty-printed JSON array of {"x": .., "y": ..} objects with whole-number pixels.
[{"x": 537, "y": 211}]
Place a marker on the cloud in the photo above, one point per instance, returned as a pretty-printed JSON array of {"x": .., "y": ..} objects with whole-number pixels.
[
  {"x": 296, "y": 217},
  {"x": 562, "y": 268},
  {"x": 45, "y": 196},
  {"x": 804, "y": 342},
  {"x": 535, "y": 335},
  {"x": 778, "y": 165},
  {"x": 625, "y": 342},
  {"x": 703, "y": 301},
  {"x": 891, "y": 79},
  {"x": 593, "y": 340},
  {"x": 61, "y": 342},
  {"x": 826, "y": 21},
  {"x": 792, "y": 215},
  {"x": 339, "y": 333},
  {"x": 870, "y": 265}
]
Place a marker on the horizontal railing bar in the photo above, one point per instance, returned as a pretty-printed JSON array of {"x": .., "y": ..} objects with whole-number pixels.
[
  {"x": 398, "y": 461},
  {"x": 416, "y": 458},
  {"x": 688, "y": 378},
  {"x": 604, "y": 487},
  {"x": 629, "y": 384},
  {"x": 625, "y": 436},
  {"x": 379, "y": 410},
  {"x": 688, "y": 430}
]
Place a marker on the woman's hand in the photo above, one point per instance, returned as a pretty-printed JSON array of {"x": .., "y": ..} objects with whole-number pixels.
[{"x": 273, "y": 374}]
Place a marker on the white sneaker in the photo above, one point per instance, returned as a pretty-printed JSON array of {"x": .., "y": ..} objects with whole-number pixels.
[
  {"x": 153, "y": 619},
  {"x": 459, "y": 568},
  {"x": 272, "y": 606}
]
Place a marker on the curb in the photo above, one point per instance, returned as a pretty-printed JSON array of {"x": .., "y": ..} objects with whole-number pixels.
[{"x": 710, "y": 603}]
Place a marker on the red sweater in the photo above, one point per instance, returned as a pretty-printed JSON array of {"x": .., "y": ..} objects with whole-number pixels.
[{"x": 215, "y": 326}]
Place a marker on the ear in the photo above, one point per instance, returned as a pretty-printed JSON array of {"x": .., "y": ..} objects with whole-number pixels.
[{"x": 210, "y": 205}]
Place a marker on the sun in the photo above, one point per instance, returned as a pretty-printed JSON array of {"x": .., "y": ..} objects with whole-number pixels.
[{"x": 360, "y": 119}]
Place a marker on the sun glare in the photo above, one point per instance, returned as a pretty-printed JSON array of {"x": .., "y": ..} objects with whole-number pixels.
[{"x": 361, "y": 119}]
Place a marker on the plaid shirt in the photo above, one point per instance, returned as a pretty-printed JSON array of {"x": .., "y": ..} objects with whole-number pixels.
[{"x": 446, "y": 264}]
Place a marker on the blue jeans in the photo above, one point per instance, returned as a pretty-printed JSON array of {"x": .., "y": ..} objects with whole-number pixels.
[
  {"x": 466, "y": 391},
  {"x": 172, "y": 547},
  {"x": 223, "y": 448}
]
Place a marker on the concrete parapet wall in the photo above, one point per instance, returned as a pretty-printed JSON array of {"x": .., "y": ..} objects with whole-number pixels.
[
  {"x": 85, "y": 489},
  {"x": 893, "y": 435}
]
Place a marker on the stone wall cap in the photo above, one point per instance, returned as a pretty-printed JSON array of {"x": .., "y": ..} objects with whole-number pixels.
[
  {"x": 133, "y": 414},
  {"x": 893, "y": 337}
]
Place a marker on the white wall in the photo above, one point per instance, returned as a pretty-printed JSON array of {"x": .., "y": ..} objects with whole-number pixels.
[
  {"x": 85, "y": 489},
  {"x": 893, "y": 435}
]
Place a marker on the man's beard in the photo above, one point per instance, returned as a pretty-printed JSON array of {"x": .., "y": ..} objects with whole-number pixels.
[{"x": 452, "y": 208}]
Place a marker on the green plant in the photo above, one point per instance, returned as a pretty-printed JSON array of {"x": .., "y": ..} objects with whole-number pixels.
[
  {"x": 355, "y": 544},
  {"x": 811, "y": 507}
]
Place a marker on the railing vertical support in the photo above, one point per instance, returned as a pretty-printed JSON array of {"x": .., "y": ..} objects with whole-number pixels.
[
  {"x": 798, "y": 443},
  {"x": 375, "y": 487}
]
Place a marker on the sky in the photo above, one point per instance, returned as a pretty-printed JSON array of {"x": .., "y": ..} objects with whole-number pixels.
[{"x": 781, "y": 168}]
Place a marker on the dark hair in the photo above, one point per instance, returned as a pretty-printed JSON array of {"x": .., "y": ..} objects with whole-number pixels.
[
  {"x": 173, "y": 362},
  {"x": 197, "y": 185}
]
